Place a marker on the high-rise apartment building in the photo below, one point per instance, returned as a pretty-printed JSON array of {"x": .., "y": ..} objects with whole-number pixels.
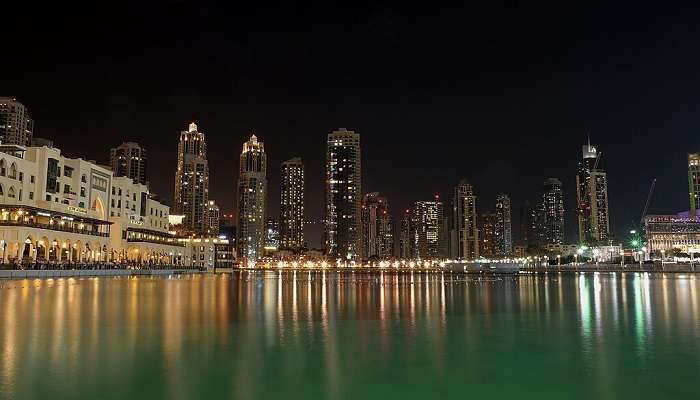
[
  {"x": 252, "y": 192},
  {"x": 377, "y": 228},
  {"x": 192, "y": 180},
  {"x": 488, "y": 235},
  {"x": 16, "y": 126},
  {"x": 553, "y": 209},
  {"x": 292, "y": 204},
  {"x": 129, "y": 159},
  {"x": 592, "y": 199},
  {"x": 407, "y": 235},
  {"x": 694, "y": 183},
  {"x": 430, "y": 230},
  {"x": 213, "y": 218},
  {"x": 343, "y": 195},
  {"x": 504, "y": 234},
  {"x": 465, "y": 235}
]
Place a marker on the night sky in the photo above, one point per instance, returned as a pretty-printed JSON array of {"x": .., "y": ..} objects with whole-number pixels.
[{"x": 501, "y": 94}]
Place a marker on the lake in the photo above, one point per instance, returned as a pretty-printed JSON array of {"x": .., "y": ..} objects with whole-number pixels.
[{"x": 324, "y": 335}]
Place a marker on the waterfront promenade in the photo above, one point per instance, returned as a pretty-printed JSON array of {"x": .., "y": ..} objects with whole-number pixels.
[{"x": 16, "y": 271}]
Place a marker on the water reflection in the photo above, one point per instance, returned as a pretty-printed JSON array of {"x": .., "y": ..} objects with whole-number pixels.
[{"x": 333, "y": 335}]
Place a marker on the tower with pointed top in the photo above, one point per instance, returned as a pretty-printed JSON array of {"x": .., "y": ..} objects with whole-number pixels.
[
  {"x": 252, "y": 196},
  {"x": 592, "y": 198},
  {"x": 192, "y": 180}
]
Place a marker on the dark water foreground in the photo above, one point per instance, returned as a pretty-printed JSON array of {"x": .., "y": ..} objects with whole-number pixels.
[{"x": 354, "y": 336}]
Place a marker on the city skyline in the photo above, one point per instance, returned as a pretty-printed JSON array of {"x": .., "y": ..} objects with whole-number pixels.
[{"x": 523, "y": 111}]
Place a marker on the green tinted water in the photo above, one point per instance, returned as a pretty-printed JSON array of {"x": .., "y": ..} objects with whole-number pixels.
[{"x": 353, "y": 336}]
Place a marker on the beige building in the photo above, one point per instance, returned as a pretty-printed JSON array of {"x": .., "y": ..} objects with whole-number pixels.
[
  {"x": 59, "y": 209},
  {"x": 212, "y": 252}
]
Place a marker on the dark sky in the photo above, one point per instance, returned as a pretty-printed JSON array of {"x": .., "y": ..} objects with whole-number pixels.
[{"x": 503, "y": 94}]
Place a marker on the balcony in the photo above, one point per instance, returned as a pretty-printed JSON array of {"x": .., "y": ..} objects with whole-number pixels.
[{"x": 53, "y": 227}]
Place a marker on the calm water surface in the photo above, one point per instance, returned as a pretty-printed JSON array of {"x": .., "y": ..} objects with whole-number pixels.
[{"x": 355, "y": 336}]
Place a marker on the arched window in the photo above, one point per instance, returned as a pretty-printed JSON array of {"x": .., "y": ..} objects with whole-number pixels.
[
  {"x": 11, "y": 192},
  {"x": 83, "y": 178},
  {"x": 13, "y": 171},
  {"x": 2, "y": 191},
  {"x": 3, "y": 167}
]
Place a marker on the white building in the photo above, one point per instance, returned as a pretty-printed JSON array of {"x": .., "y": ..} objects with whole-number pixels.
[{"x": 59, "y": 209}]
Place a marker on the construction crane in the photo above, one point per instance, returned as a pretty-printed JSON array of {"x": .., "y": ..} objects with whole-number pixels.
[{"x": 646, "y": 205}]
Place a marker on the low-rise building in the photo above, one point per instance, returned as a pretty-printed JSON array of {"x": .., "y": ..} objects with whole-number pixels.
[
  {"x": 69, "y": 210},
  {"x": 212, "y": 252},
  {"x": 668, "y": 232}
]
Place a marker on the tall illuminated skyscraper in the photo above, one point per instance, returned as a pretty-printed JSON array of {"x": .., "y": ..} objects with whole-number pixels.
[
  {"x": 694, "y": 183},
  {"x": 488, "y": 241},
  {"x": 252, "y": 192},
  {"x": 503, "y": 229},
  {"x": 292, "y": 204},
  {"x": 407, "y": 235},
  {"x": 465, "y": 235},
  {"x": 553, "y": 209},
  {"x": 16, "y": 126},
  {"x": 377, "y": 227},
  {"x": 592, "y": 199},
  {"x": 430, "y": 230},
  {"x": 192, "y": 180},
  {"x": 342, "y": 234}
]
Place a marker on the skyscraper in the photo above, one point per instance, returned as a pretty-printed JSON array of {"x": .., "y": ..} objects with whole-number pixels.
[
  {"x": 592, "y": 199},
  {"x": 252, "y": 192},
  {"x": 503, "y": 229},
  {"x": 553, "y": 208},
  {"x": 694, "y": 183},
  {"x": 377, "y": 227},
  {"x": 129, "y": 159},
  {"x": 192, "y": 180},
  {"x": 16, "y": 126},
  {"x": 407, "y": 236},
  {"x": 488, "y": 235},
  {"x": 464, "y": 222},
  {"x": 213, "y": 215},
  {"x": 430, "y": 228},
  {"x": 343, "y": 188},
  {"x": 292, "y": 204}
]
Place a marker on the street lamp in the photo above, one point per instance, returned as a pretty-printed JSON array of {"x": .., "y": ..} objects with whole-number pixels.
[
  {"x": 663, "y": 256},
  {"x": 559, "y": 260}
]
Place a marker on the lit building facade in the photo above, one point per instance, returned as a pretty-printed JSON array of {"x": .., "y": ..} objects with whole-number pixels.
[
  {"x": 213, "y": 218},
  {"x": 487, "y": 235},
  {"x": 592, "y": 199},
  {"x": 129, "y": 159},
  {"x": 430, "y": 230},
  {"x": 292, "y": 204},
  {"x": 252, "y": 196},
  {"x": 504, "y": 231},
  {"x": 16, "y": 126},
  {"x": 377, "y": 228},
  {"x": 465, "y": 235},
  {"x": 668, "y": 232},
  {"x": 694, "y": 183},
  {"x": 342, "y": 232},
  {"x": 62, "y": 210},
  {"x": 407, "y": 241},
  {"x": 192, "y": 180},
  {"x": 212, "y": 252},
  {"x": 553, "y": 211}
]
